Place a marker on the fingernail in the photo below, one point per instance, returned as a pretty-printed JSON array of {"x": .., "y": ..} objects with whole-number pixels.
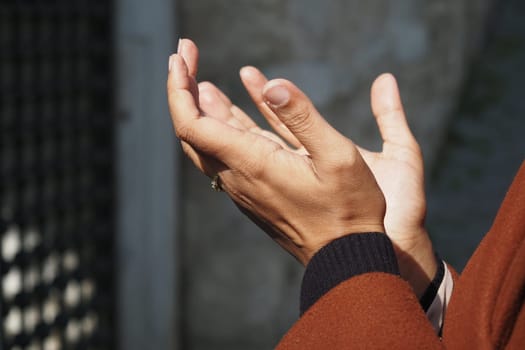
[
  {"x": 242, "y": 71},
  {"x": 277, "y": 96},
  {"x": 179, "y": 47},
  {"x": 206, "y": 96},
  {"x": 170, "y": 63}
]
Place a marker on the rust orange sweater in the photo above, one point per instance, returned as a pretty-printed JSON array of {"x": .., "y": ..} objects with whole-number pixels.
[{"x": 378, "y": 310}]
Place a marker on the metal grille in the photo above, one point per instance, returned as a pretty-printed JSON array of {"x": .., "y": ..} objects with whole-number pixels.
[{"x": 56, "y": 190}]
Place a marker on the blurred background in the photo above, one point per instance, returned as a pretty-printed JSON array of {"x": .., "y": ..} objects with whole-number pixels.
[{"x": 110, "y": 239}]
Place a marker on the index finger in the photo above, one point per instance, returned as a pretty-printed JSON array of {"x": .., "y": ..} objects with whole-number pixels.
[{"x": 180, "y": 98}]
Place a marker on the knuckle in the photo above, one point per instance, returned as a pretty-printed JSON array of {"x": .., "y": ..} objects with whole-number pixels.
[
  {"x": 184, "y": 132},
  {"x": 256, "y": 169},
  {"x": 343, "y": 166},
  {"x": 345, "y": 161},
  {"x": 259, "y": 167},
  {"x": 300, "y": 119},
  {"x": 252, "y": 169}
]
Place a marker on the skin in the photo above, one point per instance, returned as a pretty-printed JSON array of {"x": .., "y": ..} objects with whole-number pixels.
[{"x": 306, "y": 184}]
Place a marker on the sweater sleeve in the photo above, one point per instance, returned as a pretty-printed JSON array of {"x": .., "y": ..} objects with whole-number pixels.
[
  {"x": 352, "y": 294},
  {"x": 344, "y": 258},
  {"x": 378, "y": 310}
]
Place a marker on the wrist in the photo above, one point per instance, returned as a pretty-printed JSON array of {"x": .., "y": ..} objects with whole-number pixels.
[{"x": 417, "y": 261}]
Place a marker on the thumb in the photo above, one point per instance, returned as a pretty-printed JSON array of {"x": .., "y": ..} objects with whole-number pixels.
[
  {"x": 303, "y": 120},
  {"x": 388, "y": 111}
]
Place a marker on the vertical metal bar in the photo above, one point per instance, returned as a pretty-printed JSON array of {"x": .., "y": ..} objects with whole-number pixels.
[{"x": 147, "y": 158}]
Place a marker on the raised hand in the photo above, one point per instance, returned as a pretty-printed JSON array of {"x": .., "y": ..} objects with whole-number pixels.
[
  {"x": 303, "y": 198},
  {"x": 398, "y": 169}
]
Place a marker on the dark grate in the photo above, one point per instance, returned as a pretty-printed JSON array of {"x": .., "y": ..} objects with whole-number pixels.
[{"x": 56, "y": 174}]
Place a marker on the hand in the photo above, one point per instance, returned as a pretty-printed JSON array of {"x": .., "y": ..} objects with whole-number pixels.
[
  {"x": 398, "y": 169},
  {"x": 303, "y": 198}
]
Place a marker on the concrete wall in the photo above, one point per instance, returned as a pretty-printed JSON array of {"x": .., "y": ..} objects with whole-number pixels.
[{"x": 240, "y": 291}]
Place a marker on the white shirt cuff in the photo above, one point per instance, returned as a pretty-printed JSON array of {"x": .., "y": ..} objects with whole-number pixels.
[{"x": 436, "y": 311}]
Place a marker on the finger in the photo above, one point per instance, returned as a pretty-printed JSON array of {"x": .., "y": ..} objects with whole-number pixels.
[
  {"x": 205, "y": 164},
  {"x": 296, "y": 111},
  {"x": 244, "y": 118},
  {"x": 254, "y": 82},
  {"x": 238, "y": 113},
  {"x": 216, "y": 104},
  {"x": 210, "y": 136},
  {"x": 388, "y": 111},
  {"x": 190, "y": 54},
  {"x": 254, "y": 128},
  {"x": 189, "y": 51},
  {"x": 212, "y": 105},
  {"x": 222, "y": 95},
  {"x": 241, "y": 116},
  {"x": 236, "y": 149},
  {"x": 219, "y": 105},
  {"x": 180, "y": 98},
  {"x": 208, "y": 166}
]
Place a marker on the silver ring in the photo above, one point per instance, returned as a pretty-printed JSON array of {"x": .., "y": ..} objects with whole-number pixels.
[{"x": 216, "y": 183}]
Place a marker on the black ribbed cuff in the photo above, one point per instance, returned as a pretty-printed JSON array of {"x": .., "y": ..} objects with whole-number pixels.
[
  {"x": 430, "y": 293},
  {"x": 344, "y": 258}
]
